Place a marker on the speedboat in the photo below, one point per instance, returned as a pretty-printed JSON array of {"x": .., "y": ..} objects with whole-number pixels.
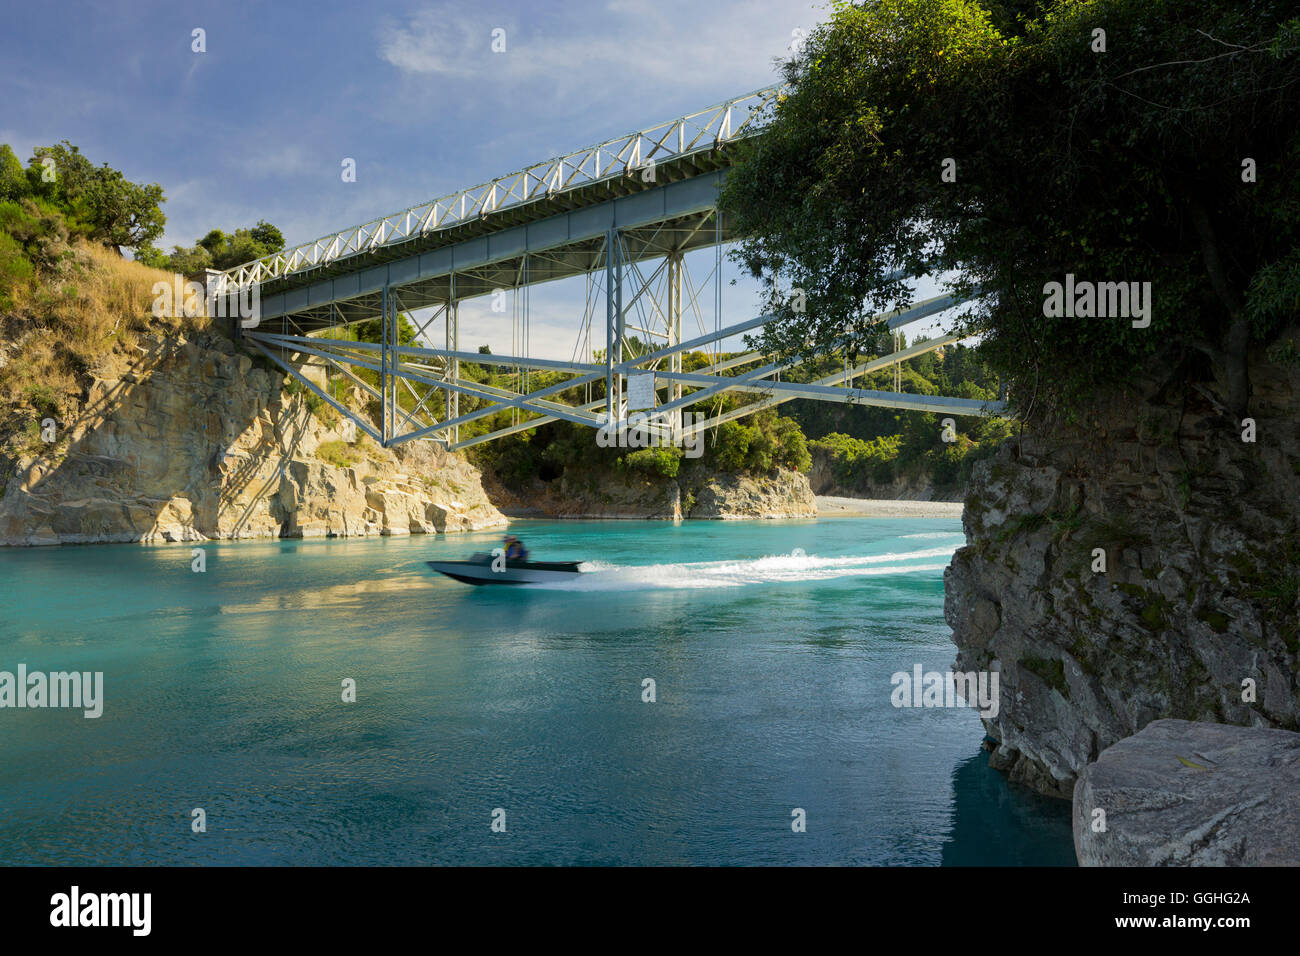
[{"x": 487, "y": 569}]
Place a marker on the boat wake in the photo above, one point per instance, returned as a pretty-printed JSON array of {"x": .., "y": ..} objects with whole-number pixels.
[{"x": 774, "y": 569}]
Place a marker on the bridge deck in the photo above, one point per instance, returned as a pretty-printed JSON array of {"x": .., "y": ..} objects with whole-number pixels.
[
  {"x": 677, "y": 217},
  {"x": 686, "y": 148}
]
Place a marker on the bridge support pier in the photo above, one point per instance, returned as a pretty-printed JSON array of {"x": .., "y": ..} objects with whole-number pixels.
[
  {"x": 674, "y": 324},
  {"x": 451, "y": 335},
  {"x": 613, "y": 326},
  {"x": 384, "y": 370}
]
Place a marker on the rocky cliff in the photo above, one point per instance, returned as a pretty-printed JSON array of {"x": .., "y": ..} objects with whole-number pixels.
[
  {"x": 918, "y": 487},
  {"x": 696, "y": 492},
  {"x": 189, "y": 439},
  {"x": 1139, "y": 562}
]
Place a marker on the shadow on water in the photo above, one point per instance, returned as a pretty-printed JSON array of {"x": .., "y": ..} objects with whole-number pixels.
[{"x": 998, "y": 823}]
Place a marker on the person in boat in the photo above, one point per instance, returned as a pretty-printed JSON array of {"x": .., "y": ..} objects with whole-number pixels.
[{"x": 515, "y": 550}]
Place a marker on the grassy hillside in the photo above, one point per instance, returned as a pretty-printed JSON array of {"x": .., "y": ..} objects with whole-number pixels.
[
  {"x": 59, "y": 323},
  {"x": 68, "y": 298}
]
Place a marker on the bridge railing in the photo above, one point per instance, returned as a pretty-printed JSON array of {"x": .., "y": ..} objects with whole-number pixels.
[{"x": 613, "y": 158}]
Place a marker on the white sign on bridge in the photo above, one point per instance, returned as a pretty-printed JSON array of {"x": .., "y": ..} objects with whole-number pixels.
[{"x": 640, "y": 390}]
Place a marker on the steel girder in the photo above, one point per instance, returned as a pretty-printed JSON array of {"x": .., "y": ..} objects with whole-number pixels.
[
  {"x": 396, "y": 362},
  {"x": 674, "y": 143}
]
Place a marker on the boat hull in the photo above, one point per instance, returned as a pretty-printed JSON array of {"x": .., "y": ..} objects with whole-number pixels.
[{"x": 478, "y": 571}]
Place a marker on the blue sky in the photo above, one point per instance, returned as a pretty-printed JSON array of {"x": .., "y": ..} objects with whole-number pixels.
[{"x": 256, "y": 127}]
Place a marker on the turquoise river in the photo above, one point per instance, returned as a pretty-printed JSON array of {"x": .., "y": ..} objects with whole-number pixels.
[{"x": 771, "y": 646}]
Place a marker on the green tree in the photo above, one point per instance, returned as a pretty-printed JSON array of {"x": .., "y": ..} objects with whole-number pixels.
[
  {"x": 1122, "y": 166},
  {"x": 107, "y": 206},
  {"x": 60, "y": 173},
  {"x": 189, "y": 261},
  {"x": 123, "y": 213},
  {"x": 214, "y": 242},
  {"x": 13, "y": 180},
  {"x": 371, "y": 331},
  {"x": 267, "y": 236},
  {"x": 152, "y": 256},
  {"x": 227, "y": 250}
]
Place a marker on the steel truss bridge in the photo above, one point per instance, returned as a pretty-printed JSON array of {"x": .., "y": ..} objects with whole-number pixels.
[{"x": 623, "y": 214}]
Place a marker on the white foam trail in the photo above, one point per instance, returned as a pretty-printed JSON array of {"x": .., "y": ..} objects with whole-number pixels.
[
  {"x": 773, "y": 569},
  {"x": 934, "y": 534}
]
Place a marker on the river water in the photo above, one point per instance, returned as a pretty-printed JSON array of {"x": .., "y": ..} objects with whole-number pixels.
[{"x": 770, "y": 644}]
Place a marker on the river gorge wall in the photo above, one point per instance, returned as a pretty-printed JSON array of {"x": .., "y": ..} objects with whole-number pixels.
[
  {"x": 190, "y": 439},
  {"x": 1140, "y": 563},
  {"x": 914, "y": 487},
  {"x": 696, "y": 492}
]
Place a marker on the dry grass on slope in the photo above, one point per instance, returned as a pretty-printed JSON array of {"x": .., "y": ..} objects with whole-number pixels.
[{"x": 63, "y": 326}]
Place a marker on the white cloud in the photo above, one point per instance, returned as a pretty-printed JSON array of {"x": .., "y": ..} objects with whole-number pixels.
[
  {"x": 632, "y": 48},
  {"x": 434, "y": 41},
  {"x": 287, "y": 160}
]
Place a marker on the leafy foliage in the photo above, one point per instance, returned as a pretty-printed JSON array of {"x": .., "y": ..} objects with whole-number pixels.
[
  {"x": 657, "y": 462},
  {"x": 112, "y": 209},
  {"x": 1125, "y": 165},
  {"x": 62, "y": 197},
  {"x": 760, "y": 444},
  {"x": 217, "y": 250},
  {"x": 243, "y": 245},
  {"x": 13, "y": 181},
  {"x": 872, "y": 447}
]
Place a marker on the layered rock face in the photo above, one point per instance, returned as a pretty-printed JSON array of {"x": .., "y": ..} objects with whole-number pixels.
[
  {"x": 1194, "y": 612},
  {"x": 695, "y": 493},
  {"x": 1191, "y": 794},
  {"x": 821, "y": 476},
  {"x": 785, "y": 494},
  {"x": 191, "y": 441}
]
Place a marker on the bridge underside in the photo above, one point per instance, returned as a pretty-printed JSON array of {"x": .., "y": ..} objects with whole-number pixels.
[
  {"x": 624, "y": 214},
  {"x": 677, "y": 235},
  {"x": 418, "y": 388}
]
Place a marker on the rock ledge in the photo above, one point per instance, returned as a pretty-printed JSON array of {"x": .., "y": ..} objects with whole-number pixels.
[{"x": 1187, "y": 793}]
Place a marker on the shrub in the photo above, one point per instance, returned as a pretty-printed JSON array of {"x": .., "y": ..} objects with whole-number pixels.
[
  {"x": 731, "y": 448},
  {"x": 43, "y": 399},
  {"x": 764, "y": 443},
  {"x": 792, "y": 447},
  {"x": 13, "y": 181},
  {"x": 337, "y": 453},
  {"x": 15, "y": 270},
  {"x": 856, "y": 463},
  {"x": 659, "y": 462}
]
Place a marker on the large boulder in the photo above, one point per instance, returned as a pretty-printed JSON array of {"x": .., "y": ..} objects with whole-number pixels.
[
  {"x": 1186, "y": 793},
  {"x": 783, "y": 494}
]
